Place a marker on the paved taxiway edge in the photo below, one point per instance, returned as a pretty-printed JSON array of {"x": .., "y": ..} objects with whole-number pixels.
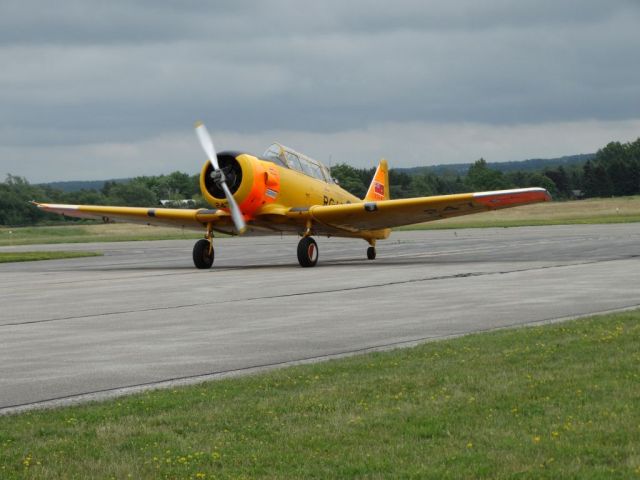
[{"x": 109, "y": 394}]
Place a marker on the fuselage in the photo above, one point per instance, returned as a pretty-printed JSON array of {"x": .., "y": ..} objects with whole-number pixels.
[{"x": 271, "y": 190}]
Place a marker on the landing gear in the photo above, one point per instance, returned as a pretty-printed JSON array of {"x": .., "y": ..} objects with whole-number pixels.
[
  {"x": 307, "y": 252},
  {"x": 203, "y": 254},
  {"x": 371, "y": 253}
]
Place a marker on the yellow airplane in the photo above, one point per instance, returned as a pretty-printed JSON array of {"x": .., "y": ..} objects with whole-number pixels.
[{"x": 286, "y": 192}]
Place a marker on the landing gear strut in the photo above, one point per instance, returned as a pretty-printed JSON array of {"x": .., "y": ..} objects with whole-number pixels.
[{"x": 307, "y": 252}]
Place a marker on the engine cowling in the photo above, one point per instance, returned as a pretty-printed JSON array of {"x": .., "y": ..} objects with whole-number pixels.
[{"x": 252, "y": 182}]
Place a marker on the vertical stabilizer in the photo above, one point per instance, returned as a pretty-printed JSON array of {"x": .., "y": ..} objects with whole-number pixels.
[{"x": 379, "y": 188}]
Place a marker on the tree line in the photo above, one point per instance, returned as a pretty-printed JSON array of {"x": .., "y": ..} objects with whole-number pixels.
[
  {"x": 16, "y": 193},
  {"x": 613, "y": 171}
]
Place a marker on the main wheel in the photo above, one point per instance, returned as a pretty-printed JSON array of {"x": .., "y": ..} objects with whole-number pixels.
[
  {"x": 307, "y": 252},
  {"x": 203, "y": 254},
  {"x": 371, "y": 253}
]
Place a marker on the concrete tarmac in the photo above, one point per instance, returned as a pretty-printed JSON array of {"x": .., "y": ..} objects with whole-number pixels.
[{"x": 142, "y": 316}]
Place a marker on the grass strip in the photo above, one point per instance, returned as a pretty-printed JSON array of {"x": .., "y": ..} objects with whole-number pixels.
[
  {"x": 7, "y": 257},
  {"x": 559, "y": 401},
  {"x": 579, "y": 212},
  {"x": 91, "y": 234},
  {"x": 507, "y": 223}
]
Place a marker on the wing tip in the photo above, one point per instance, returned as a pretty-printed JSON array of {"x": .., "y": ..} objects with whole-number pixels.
[{"x": 520, "y": 196}]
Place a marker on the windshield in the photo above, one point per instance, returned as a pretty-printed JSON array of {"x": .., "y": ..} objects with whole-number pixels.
[
  {"x": 275, "y": 154},
  {"x": 289, "y": 158}
]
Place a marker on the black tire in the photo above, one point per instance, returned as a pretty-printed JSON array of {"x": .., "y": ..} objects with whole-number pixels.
[
  {"x": 307, "y": 252},
  {"x": 371, "y": 253},
  {"x": 202, "y": 258}
]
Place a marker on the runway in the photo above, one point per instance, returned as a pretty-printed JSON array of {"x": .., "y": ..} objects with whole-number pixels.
[{"x": 142, "y": 316}]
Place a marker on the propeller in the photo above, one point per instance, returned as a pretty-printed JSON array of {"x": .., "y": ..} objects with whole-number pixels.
[{"x": 218, "y": 176}]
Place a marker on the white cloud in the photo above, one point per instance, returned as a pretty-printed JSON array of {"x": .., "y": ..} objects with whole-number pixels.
[
  {"x": 403, "y": 144},
  {"x": 422, "y": 143}
]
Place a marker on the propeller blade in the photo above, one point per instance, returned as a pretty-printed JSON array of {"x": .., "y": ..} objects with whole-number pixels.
[
  {"x": 209, "y": 149},
  {"x": 207, "y": 144},
  {"x": 236, "y": 214}
]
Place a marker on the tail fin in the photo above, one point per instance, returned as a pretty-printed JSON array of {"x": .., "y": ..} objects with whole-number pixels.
[{"x": 379, "y": 188}]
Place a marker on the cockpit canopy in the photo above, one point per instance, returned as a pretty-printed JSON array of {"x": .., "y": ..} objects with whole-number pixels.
[{"x": 289, "y": 158}]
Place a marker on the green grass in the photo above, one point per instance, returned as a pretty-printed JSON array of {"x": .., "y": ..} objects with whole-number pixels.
[
  {"x": 559, "y": 401},
  {"x": 90, "y": 234},
  {"x": 7, "y": 257},
  {"x": 507, "y": 223},
  {"x": 580, "y": 212}
]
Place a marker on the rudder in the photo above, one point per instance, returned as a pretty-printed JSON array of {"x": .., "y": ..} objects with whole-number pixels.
[{"x": 379, "y": 188}]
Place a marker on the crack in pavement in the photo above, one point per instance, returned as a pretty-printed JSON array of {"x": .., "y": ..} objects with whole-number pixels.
[
  {"x": 316, "y": 292},
  {"x": 114, "y": 392}
]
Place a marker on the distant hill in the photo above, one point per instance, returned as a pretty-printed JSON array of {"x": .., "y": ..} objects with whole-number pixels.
[
  {"x": 77, "y": 185},
  {"x": 531, "y": 165}
]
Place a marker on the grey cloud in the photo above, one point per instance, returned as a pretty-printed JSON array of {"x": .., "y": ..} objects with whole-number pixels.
[
  {"x": 33, "y": 22},
  {"x": 122, "y": 21},
  {"x": 80, "y": 72}
]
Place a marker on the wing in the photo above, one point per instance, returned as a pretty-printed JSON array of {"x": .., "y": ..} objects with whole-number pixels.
[
  {"x": 174, "y": 217},
  {"x": 394, "y": 213}
]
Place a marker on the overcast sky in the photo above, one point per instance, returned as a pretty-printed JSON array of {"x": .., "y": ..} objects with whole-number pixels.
[{"x": 109, "y": 89}]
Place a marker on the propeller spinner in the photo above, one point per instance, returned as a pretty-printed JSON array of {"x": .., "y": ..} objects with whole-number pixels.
[{"x": 218, "y": 176}]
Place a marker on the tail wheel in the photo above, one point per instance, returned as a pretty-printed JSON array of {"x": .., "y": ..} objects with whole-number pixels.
[
  {"x": 203, "y": 254},
  {"x": 307, "y": 252},
  {"x": 371, "y": 253}
]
